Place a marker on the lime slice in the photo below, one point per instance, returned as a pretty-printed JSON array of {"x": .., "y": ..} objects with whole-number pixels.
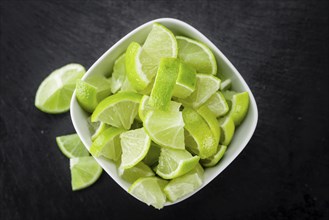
[
  {"x": 186, "y": 81},
  {"x": 164, "y": 84},
  {"x": 101, "y": 127},
  {"x": 227, "y": 128},
  {"x": 217, "y": 104},
  {"x": 174, "y": 163},
  {"x": 152, "y": 155},
  {"x": 144, "y": 107},
  {"x": 226, "y": 84},
  {"x": 84, "y": 172},
  {"x": 135, "y": 74},
  {"x": 119, "y": 74},
  {"x": 213, "y": 160},
  {"x": 202, "y": 136},
  {"x": 118, "y": 110},
  {"x": 135, "y": 145},
  {"x": 71, "y": 146},
  {"x": 206, "y": 86},
  {"x": 55, "y": 92},
  {"x": 165, "y": 128},
  {"x": 107, "y": 144},
  {"x": 91, "y": 91},
  {"x": 132, "y": 174},
  {"x": 211, "y": 121},
  {"x": 159, "y": 43},
  {"x": 150, "y": 191},
  {"x": 197, "y": 55},
  {"x": 184, "y": 185},
  {"x": 239, "y": 109}
]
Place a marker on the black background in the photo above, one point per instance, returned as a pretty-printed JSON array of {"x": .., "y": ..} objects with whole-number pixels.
[{"x": 279, "y": 47}]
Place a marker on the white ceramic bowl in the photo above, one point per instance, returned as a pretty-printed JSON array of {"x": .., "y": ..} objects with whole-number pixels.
[{"x": 104, "y": 66}]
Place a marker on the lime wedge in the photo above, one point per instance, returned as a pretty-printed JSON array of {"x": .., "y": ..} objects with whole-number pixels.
[
  {"x": 213, "y": 160},
  {"x": 211, "y": 121},
  {"x": 152, "y": 155},
  {"x": 184, "y": 185},
  {"x": 119, "y": 74},
  {"x": 165, "y": 128},
  {"x": 206, "y": 86},
  {"x": 135, "y": 145},
  {"x": 204, "y": 142},
  {"x": 159, "y": 43},
  {"x": 217, "y": 104},
  {"x": 149, "y": 190},
  {"x": 135, "y": 74},
  {"x": 239, "y": 109},
  {"x": 174, "y": 163},
  {"x": 71, "y": 146},
  {"x": 164, "y": 84},
  {"x": 118, "y": 110},
  {"x": 144, "y": 107},
  {"x": 197, "y": 55},
  {"x": 55, "y": 92},
  {"x": 186, "y": 81},
  {"x": 91, "y": 91},
  {"x": 227, "y": 128},
  {"x": 84, "y": 172},
  {"x": 132, "y": 174},
  {"x": 107, "y": 144}
]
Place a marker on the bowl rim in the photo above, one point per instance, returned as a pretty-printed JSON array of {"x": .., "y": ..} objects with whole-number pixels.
[{"x": 215, "y": 49}]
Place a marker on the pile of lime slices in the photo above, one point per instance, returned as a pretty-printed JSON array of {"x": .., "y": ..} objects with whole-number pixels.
[
  {"x": 168, "y": 116},
  {"x": 162, "y": 117}
]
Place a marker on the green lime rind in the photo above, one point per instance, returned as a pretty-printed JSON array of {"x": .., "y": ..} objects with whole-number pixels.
[
  {"x": 227, "y": 128},
  {"x": 213, "y": 160},
  {"x": 175, "y": 163},
  {"x": 107, "y": 144},
  {"x": 239, "y": 108},
  {"x": 91, "y": 91},
  {"x": 200, "y": 132},
  {"x": 135, "y": 74},
  {"x": 211, "y": 121},
  {"x": 184, "y": 185},
  {"x": 186, "y": 81},
  {"x": 164, "y": 84}
]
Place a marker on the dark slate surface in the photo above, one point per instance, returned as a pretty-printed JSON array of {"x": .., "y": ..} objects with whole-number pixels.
[{"x": 280, "y": 48}]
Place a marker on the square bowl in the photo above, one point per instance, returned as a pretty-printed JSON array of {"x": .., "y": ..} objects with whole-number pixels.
[{"x": 104, "y": 66}]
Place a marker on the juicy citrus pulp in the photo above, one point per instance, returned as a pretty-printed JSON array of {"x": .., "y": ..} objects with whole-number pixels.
[
  {"x": 71, "y": 146},
  {"x": 118, "y": 110},
  {"x": 55, "y": 92},
  {"x": 150, "y": 191},
  {"x": 197, "y": 55},
  {"x": 84, "y": 172}
]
